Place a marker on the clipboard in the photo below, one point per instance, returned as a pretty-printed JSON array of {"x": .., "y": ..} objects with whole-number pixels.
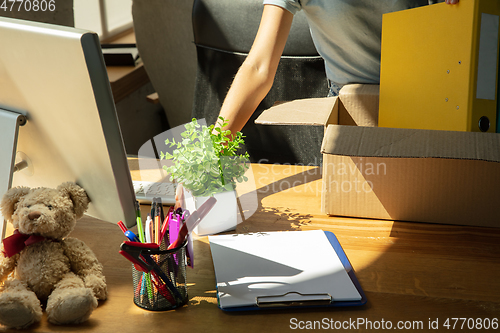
[{"x": 288, "y": 276}]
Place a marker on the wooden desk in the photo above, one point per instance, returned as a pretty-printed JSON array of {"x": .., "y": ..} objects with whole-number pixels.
[{"x": 411, "y": 272}]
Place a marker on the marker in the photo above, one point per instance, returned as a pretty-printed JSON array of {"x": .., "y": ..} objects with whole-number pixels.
[
  {"x": 164, "y": 226},
  {"x": 148, "y": 228},
  {"x": 156, "y": 229},
  {"x": 138, "y": 220},
  {"x": 122, "y": 226}
]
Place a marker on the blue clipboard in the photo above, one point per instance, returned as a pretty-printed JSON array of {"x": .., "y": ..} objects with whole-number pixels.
[{"x": 318, "y": 300}]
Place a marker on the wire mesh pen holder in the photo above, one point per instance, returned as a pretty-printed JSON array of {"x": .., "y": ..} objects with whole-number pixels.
[{"x": 164, "y": 288}]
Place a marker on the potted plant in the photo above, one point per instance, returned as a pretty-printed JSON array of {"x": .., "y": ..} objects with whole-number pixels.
[{"x": 207, "y": 163}]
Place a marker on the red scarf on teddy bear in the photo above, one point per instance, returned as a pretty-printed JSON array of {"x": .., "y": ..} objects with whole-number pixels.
[{"x": 17, "y": 242}]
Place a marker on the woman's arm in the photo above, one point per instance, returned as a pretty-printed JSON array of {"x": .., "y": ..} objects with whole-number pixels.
[{"x": 256, "y": 75}]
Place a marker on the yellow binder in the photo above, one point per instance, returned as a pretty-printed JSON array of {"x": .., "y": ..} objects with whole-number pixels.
[{"x": 439, "y": 67}]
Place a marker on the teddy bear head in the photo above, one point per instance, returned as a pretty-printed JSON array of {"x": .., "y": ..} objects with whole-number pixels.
[{"x": 47, "y": 212}]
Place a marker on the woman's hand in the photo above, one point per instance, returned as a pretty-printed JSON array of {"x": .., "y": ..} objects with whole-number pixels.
[
  {"x": 179, "y": 197},
  {"x": 451, "y": 2}
]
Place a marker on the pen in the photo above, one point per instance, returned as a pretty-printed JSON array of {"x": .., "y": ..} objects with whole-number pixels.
[
  {"x": 132, "y": 237},
  {"x": 139, "y": 286},
  {"x": 140, "y": 230},
  {"x": 157, "y": 229},
  {"x": 142, "y": 239},
  {"x": 148, "y": 228},
  {"x": 157, "y": 221},
  {"x": 153, "y": 206},
  {"x": 161, "y": 212},
  {"x": 129, "y": 234},
  {"x": 122, "y": 226}
]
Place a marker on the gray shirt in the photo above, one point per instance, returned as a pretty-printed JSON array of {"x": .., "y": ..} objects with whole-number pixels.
[{"x": 347, "y": 34}]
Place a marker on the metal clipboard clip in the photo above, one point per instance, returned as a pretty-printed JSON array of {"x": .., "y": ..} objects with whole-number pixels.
[{"x": 293, "y": 298}]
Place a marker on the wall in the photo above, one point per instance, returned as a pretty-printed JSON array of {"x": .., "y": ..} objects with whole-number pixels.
[{"x": 62, "y": 15}]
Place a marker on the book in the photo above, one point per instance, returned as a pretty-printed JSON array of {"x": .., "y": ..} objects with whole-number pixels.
[{"x": 120, "y": 54}]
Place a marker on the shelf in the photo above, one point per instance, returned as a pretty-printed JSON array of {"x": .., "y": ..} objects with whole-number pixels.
[{"x": 125, "y": 80}]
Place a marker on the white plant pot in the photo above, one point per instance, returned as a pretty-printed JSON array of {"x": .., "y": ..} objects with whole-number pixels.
[{"x": 222, "y": 217}]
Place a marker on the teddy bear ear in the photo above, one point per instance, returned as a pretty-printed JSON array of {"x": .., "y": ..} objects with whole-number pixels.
[
  {"x": 10, "y": 200},
  {"x": 78, "y": 195}
]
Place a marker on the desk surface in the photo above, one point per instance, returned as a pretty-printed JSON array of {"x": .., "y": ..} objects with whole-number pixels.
[{"x": 411, "y": 272}]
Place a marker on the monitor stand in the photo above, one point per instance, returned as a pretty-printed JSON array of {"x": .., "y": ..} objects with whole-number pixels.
[{"x": 9, "y": 129}]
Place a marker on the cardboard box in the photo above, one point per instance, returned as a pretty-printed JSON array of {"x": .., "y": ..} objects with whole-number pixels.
[
  {"x": 356, "y": 105},
  {"x": 359, "y": 105},
  {"x": 412, "y": 175},
  {"x": 300, "y": 126},
  {"x": 308, "y": 111},
  {"x": 398, "y": 174}
]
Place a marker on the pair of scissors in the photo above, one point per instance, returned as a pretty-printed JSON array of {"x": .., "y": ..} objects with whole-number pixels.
[{"x": 140, "y": 255}]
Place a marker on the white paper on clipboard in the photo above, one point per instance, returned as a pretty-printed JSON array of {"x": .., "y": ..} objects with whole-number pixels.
[{"x": 270, "y": 264}]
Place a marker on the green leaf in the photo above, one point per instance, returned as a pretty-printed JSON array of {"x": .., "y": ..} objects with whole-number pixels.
[{"x": 206, "y": 160}]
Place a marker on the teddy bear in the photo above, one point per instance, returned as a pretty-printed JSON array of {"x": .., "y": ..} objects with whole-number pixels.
[{"x": 51, "y": 270}]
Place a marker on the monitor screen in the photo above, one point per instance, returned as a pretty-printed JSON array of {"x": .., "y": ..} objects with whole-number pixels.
[{"x": 57, "y": 78}]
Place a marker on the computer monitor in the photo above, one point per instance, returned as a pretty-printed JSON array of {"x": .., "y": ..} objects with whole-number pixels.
[{"x": 56, "y": 77}]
